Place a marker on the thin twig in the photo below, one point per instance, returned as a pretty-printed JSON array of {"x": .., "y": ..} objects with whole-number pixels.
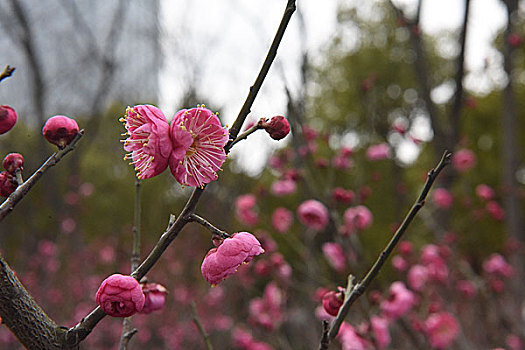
[
  {"x": 9, "y": 204},
  {"x": 200, "y": 220},
  {"x": 198, "y": 323},
  {"x": 358, "y": 289},
  {"x": 247, "y": 133},
  {"x": 8, "y": 71}
]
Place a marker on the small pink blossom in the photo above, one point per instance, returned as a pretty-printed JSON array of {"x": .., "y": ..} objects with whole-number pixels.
[
  {"x": 496, "y": 265},
  {"x": 344, "y": 196},
  {"x": 283, "y": 187},
  {"x": 309, "y": 133},
  {"x": 378, "y": 152},
  {"x": 417, "y": 277},
  {"x": 380, "y": 331},
  {"x": 8, "y": 184},
  {"x": 485, "y": 192},
  {"x": 282, "y": 220},
  {"x": 60, "y": 130},
  {"x": 399, "y": 301},
  {"x": 335, "y": 255},
  {"x": 155, "y": 297},
  {"x": 245, "y": 209},
  {"x": 224, "y": 260},
  {"x": 342, "y": 163},
  {"x": 514, "y": 342},
  {"x": 148, "y": 140},
  {"x": 267, "y": 311},
  {"x": 277, "y": 128},
  {"x": 442, "y": 198},
  {"x": 463, "y": 160},
  {"x": 467, "y": 288},
  {"x": 120, "y": 296},
  {"x": 442, "y": 329},
  {"x": 198, "y": 140},
  {"x": 332, "y": 302},
  {"x": 357, "y": 218},
  {"x": 12, "y": 162},
  {"x": 495, "y": 210},
  {"x": 350, "y": 339},
  {"x": 244, "y": 340},
  {"x": 313, "y": 214},
  {"x": 8, "y": 118},
  {"x": 399, "y": 263}
]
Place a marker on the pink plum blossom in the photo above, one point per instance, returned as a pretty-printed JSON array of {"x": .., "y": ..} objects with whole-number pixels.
[
  {"x": 267, "y": 311},
  {"x": 120, "y": 296},
  {"x": 378, "y": 152},
  {"x": 463, "y": 160},
  {"x": 282, "y": 219},
  {"x": 155, "y": 297},
  {"x": 399, "y": 301},
  {"x": 8, "y": 118},
  {"x": 495, "y": 210},
  {"x": 350, "y": 339},
  {"x": 332, "y": 302},
  {"x": 245, "y": 209},
  {"x": 380, "y": 331},
  {"x": 442, "y": 329},
  {"x": 485, "y": 192},
  {"x": 442, "y": 198},
  {"x": 224, "y": 260},
  {"x": 399, "y": 263},
  {"x": 357, "y": 218},
  {"x": 313, "y": 214},
  {"x": 244, "y": 340},
  {"x": 60, "y": 130},
  {"x": 417, "y": 277},
  {"x": 198, "y": 140},
  {"x": 496, "y": 265},
  {"x": 335, "y": 255},
  {"x": 283, "y": 187},
  {"x": 344, "y": 196},
  {"x": 467, "y": 288},
  {"x": 148, "y": 140},
  {"x": 12, "y": 162}
]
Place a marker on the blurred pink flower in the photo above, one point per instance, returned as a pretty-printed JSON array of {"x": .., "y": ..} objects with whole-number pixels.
[
  {"x": 282, "y": 219},
  {"x": 245, "y": 209},
  {"x": 283, "y": 187},
  {"x": 335, "y": 255},
  {"x": 267, "y": 311},
  {"x": 7, "y": 118},
  {"x": 148, "y": 140},
  {"x": 155, "y": 297},
  {"x": 399, "y": 301},
  {"x": 357, "y": 218},
  {"x": 417, "y": 277},
  {"x": 380, "y": 331},
  {"x": 466, "y": 288},
  {"x": 378, "y": 152},
  {"x": 442, "y": 329},
  {"x": 463, "y": 160},
  {"x": 243, "y": 340},
  {"x": 224, "y": 260},
  {"x": 495, "y": 210},
  {"x": 120, "y": 296},
  {"x": 514, "y": 342},
  {"x": 313, "y": 214},
  {"x": 332, "y": 301},
  {"x": 342, "y": 162},
  {"x": 344, "y": 196},
  {"x": 198, "y": 140},
  {"x": 399, "y": 263},
  {"x": 442, "y": 198},
  {"x": 484, "y": 192},
  {"x": 350, "y": 339},
  {"x": 496, "y": 265}
]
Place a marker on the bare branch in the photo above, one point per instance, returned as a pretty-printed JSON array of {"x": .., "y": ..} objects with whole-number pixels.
[{"x": 8, "y": 71}]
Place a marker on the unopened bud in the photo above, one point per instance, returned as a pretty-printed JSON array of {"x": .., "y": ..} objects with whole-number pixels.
[
  {"x": 278, "y": 127},
  {"x": 60, "y": 130},
  {"x": 7, "y": 184},
  {"x": 7, "y": 118},
  {"x": 12, "y": 162}
]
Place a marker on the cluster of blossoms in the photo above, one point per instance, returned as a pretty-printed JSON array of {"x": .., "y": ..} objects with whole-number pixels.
[
  {"x": 12, "y": 163},
  {"x": 192, "y": 145}
]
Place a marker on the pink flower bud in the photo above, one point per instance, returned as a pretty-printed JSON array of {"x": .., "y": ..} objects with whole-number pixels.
[
  {"x": 12, "y": 162},
  {"x": 120, "y": 296},
  {"x": 442, "y": 198},
  {"x": 7, "y": 184},
  {"x": 224, "y": 260},
  {"x": 313, "y": 214},
  {"x": 344, "y": 196},
  {"x": 277, "y": 128},
  {"x": 463, "y": 160},
  {"x": 7, "y": 118},
  {"x": 60, "y": 130},
  {"x": 155, "y": 296},
  {"x": 484, "y": 192},
  {"x": 332, "y": 301},
  {"x": 282, "y": 219},
  {"x": 357, "y": 218}
]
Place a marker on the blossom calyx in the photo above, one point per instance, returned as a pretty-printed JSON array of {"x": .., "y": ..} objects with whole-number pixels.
[
  {"x": 120, "y": 296},
  {"x": 60, "y": 130}
]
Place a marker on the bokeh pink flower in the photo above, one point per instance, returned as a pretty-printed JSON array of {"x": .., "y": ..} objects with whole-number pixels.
[
  {"x": 120, "y": 296},
  {"x": 442, "y": 329},
  {"x": 335, "y": 255},
  {"x": 313, "y": 214},
  {"x": 463, "y": 160},
  {"x": 378, "y": 152},
  {"x": 357, "y": 218},
  {"x": 400, "y": 300},
  {"x": 282, "y": 220}
]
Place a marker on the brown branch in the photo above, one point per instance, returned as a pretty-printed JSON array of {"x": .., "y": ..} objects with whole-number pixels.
[
  {"x": 355, "y": 291},
  {"x": 202, "y": 331},
  {"x": 9, "y": 204},
  {"x": 8, "y": 71}
]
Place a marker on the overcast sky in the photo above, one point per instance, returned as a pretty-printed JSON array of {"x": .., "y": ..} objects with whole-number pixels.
[{"x": 223, "y": 43}]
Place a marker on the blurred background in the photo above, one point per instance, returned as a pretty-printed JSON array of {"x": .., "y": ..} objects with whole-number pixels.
[{"x": 415, "y": 76}]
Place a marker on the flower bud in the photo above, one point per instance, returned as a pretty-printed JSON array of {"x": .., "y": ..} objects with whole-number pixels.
[
  {"x": 278, "y": 127},
  {"x": 60, "y": 130},
  {"x": 155, "y": 295},
  {"x": 7, "y": 184},
  {"x": 7, "y": 118},
  {"x": 120, "y": 296},
  {"x": 12, "y": 162},
  {"x": 332, "y": 301}
]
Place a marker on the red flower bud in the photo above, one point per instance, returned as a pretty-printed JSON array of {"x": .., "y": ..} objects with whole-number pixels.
[
  {"x": 332, "y": 301},
  {"x": 60, "y": 130},
  {"x": 7, "y": 184},
  {"x": 278, "y": 127},
  {"x": 12, "y": 162},
  {"x": 7, "y": 118}
]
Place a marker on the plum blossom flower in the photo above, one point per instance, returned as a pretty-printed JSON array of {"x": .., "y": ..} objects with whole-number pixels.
[
  {"x": 380, "y": 331},
  {"x": 463, "y": 160},
  {"x": 484, "y": 192},
  {"x": 496, "y": 265},
  {"x": 155, "y": 297},
  {"x": 7, "y": 118},
  {"x": 283, "y": 187},
  {"x": 12, "y": 162},
  {"x": 335, "y": 255},
  {"x": 399, "y": 301},
  {"x": 344, "y": 196},
  {"x": 198, "y": 140},
  {"x": 120, "y": 296},
  {"x": 224, "y": 260},
  {"x": 357, "y": 218},
  {"x": 282, "y": 219},
  {"x": 148, "y": 140},
  {"x": 442, "y": 329},
  {"x": 378, "y": 152},
  {"x": 442, "y": 198},
  {"x": 495, "y": 210},
  {"x": 350, "y": 339},
  {"x": 467, "y": 288},
  {"x": 313, "y": 214},
  {"x": 417, "y": 277},
  {"x": 245, "y": 209},
  {"x": 266, "y": 311},
  {"x": 60, "y": 130}
]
